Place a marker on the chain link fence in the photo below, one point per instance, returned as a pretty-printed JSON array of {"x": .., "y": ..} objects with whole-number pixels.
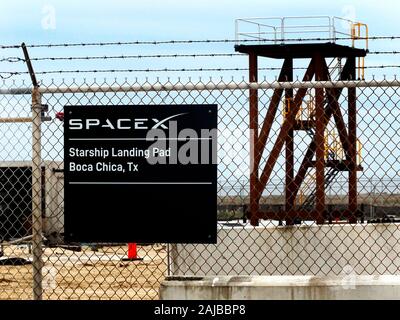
[{"x": 276, "y": 246}]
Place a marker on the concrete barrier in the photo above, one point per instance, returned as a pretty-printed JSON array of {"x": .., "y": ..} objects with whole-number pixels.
[
  {"x": 362, "y": 249},
  {"x": 385, "y": 287}
]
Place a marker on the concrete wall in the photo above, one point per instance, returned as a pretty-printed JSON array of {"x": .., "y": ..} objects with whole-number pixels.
[
  {"x": 298, "y": 250},
  {"x": 282, "y": 288}
]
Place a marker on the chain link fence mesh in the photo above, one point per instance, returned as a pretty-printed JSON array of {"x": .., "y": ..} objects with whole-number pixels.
[{"x": 274, "y": 247}]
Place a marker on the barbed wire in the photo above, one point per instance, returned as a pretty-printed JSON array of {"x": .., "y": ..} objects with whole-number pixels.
[
  {"x": 156, "y": 42},
  {"x": 9, "y": 74},
  {"x": 382, "y": 66},
  {"x": 173, "y": 55},
  {"x": 139, "y": 70},
  {"x": 141, "y": 56},
  {"x": 164, "y": 70},
  {"x": 12, "y": 59},
  {"x": 14, "y": 46},
  {"x": 145, "y": 56},
  {"x": 384, "y": 52}
]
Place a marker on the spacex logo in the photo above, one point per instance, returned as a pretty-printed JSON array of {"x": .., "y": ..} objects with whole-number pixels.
[{"x": 121, "y": 124}]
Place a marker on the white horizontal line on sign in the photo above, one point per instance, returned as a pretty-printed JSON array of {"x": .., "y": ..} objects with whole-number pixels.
[
  {"x": 123, "y": 182},
  {"x": 134, "y": 139}
]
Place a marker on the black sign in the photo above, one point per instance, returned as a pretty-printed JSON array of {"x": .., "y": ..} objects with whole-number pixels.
[{"x": 140, "y": 173}]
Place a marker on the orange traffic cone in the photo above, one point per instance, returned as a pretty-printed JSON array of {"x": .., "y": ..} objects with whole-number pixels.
[{"x": 132, "y": 253}]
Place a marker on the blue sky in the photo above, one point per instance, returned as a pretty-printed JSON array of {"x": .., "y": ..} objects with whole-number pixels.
[
  {"x": 103, "y": 20},
  {"x": 118, "y": 20}
]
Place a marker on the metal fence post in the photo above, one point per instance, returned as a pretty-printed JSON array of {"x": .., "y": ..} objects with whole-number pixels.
[{"x": 36, "y": 194}]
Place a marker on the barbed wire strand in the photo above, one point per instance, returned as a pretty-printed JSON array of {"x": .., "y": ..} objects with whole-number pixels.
[
  {"x": 137, "y": 42},
  {"x": 384, "y": 52},
  {"x": 141, "y": 56},
  {"x": 173, "y": 55},
  {"x": 144, "y": 56},
  {"x": 9, "y": 74},
  {"x": 12, "y": 59}
]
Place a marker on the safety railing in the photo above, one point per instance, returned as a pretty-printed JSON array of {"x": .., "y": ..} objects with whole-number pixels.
[{"x": 277, "y": 30}]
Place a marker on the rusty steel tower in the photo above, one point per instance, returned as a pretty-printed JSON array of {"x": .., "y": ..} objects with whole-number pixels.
[{"x": 269, "y": 42}]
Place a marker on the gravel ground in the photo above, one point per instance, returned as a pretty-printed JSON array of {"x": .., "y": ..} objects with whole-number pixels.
[{"x": 87, "y": 274}]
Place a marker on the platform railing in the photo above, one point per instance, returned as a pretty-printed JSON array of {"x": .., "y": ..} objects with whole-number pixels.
[{"x": 277, "y": 30}]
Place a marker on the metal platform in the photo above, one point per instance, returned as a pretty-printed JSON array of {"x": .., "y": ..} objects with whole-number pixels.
[{"x": 301, "y": 50}]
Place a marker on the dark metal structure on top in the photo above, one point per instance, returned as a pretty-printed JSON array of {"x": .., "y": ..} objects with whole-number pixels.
[{"x": 326, "y": 107}]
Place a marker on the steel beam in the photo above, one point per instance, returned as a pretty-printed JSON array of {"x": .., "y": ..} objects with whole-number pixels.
[
  {"x": 287, "y": 125},
  {"x": 254, "y": 149},
  {"x": 319, "y": 142},
  {"x": 289, "y": 150},
  {"x": 307, "y": 161},
  {"x": 352, "y": 120}
]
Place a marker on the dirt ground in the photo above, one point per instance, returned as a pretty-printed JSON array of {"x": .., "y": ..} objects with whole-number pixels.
[{"x": 87, "y": 274}]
